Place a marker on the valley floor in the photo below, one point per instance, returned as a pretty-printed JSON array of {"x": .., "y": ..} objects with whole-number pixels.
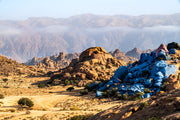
[{"x": 52, "y": 102}]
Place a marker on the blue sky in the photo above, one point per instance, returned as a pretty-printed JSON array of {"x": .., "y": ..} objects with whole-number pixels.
[{"x": 22, "y": 9}]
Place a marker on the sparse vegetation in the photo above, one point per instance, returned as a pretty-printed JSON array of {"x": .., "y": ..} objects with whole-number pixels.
[
  {"x": 5, "y": 79},
  {"x": 81, "y": 117},
  {"x": 70, "y": 89},
  {"x": 41, "y": 85},
  {"x": 146, "y": 90},
  {"x": 74, "y": 108},
  {"x": 25, "y": 102},
  {"x": 71, "y": 82},
  {"x": 106, "y": 94},
  {"x": 1, "y": 96},
  {"x": 114, "y": 91},
  {"x": 67, "y": 82},
  {"x": 138, "y": 96},
  {"x": 12, "y": 110},
  {"x": 125, "y": 96},
  {"x": 143, "y": 105},
  {"x": 119, "y": 97},
  {"x": 163, "y": 87},
  {"x": 93, "y": 88},
  {"x": 84, "y": 92}
]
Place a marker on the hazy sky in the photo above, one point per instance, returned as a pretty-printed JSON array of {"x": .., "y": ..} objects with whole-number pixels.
[{"x": 22, "y": 9}]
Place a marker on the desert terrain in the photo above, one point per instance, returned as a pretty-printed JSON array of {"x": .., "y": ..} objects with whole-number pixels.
[{"x": 52, "y": 102}]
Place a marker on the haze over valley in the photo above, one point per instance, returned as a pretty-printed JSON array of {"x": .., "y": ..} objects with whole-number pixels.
[{"x": 40, "y": 37}]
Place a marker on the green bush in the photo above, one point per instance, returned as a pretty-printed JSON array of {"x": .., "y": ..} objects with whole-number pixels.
[
  {"x": 41, "y": 85},
  {"x": 25, "y": 102},
  {"x": 106, "y": 94},
  {"x": 125, "y": 96},
  {"x": 119, "y": 97},
  {"x": 146, "y": 90},
  {"x": 70, "y": 89},
  {"x": 87, "y": 87},
  {"x": 1, "y": 96},
  {"x": 84, "y": 92},
  {"x": 67, "y": 82},
  {"x": 81, "y": 117},
  {"x": 163, "y": 87},
  {"x": 74, "y": 82},
  {"x": 12, "y": 110},
  {"x": 114, "y": 91},
  {"x": 140, "y": 94},
  {"x": 93, "y": 88},
  {"x": 142, "y": 105},
  {"x": 5, "y": 79}
]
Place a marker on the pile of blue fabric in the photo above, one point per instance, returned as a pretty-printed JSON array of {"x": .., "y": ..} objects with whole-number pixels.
[{"x": 149, "y": 72}]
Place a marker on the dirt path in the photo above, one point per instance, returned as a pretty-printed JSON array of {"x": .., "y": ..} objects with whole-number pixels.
[{"x": 57, "y": 105}]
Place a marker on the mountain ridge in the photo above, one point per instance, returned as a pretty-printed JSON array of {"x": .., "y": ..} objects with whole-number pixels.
[{"x": 40, "y": 37}]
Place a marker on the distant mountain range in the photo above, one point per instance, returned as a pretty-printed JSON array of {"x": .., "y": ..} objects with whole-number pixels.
[{"x": 40, "y": 37}]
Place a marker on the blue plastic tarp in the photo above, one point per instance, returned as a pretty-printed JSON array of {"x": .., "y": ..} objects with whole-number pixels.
[
  {"x": 161, "y": 53},
  {"x": 149, "y": 73},
  {"x": 119, "y": 73},
  {"x": 145, "y": 57},
  {"x": 98, "y": 93},
  {"x": 153, "y": 54},
  {"x": 136, "y": 88},
  {"x": 146, "y": 95},
  {"x": 172, "y": 51}
]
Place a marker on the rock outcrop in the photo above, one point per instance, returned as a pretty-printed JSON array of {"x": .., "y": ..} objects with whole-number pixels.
[
  {"x": 121, "y": 56},
  {"x": 54, "y": 62},
  {"x": 12, "y": 68},
  {"x": 160, "y": 107},
  {"x": 93, "y": 64},
  {"x": 135, "y": 52},
  {"x": 164, "y": 103}
]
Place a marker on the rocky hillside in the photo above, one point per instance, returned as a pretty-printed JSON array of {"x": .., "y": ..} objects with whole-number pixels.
[
  {"x": 40, "y": 37},
  {"x": 163, "y": 106},
  {"x": 93, "y": 64},
  {"x": 135, "y": 52},
  {"x": 121, "y": 56},
  {"x": 158, "y": 87},
  {"x": 12, "y": 68},
  {"x": 54, "y": 62}
]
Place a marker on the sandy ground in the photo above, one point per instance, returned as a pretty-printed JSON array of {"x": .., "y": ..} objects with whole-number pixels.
[{"x": 50, "y": 103}]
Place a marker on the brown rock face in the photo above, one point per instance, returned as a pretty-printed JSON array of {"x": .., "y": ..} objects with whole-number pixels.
[
  {"x": 119, "y": 55},
  {"x": 93, "y": 64},
  {"x": 173, "y": 83},
  {"x": 54, "y": 62},
  {"x": 172, "y": 78},
  {"x": 91, "y": 53},
  {"x": 83, "y": 82},
  {"x": 173, "y": 86},
  {"x": 12, "y": 68}
]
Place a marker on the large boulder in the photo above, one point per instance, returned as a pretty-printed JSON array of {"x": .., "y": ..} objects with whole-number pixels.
[
  {"x": 93, "y": 64},
  {"x": 93, "y": 52},
  {"x": 172, "y": 78},
  {"x": 173, "y": 45},
  {"x": 173, "y": 83}
]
